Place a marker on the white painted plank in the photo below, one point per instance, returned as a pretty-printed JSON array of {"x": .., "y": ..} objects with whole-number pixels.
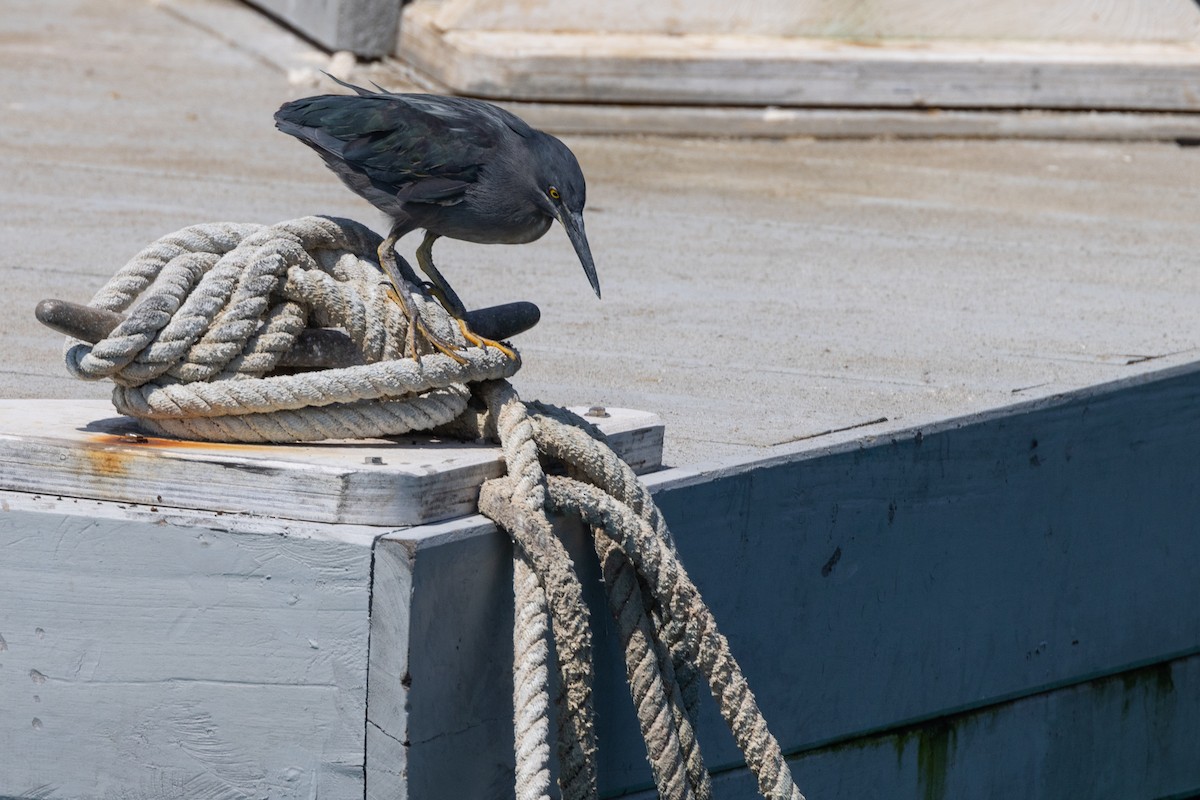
[
  {"x": 743, "y": 70},
  {"x": 78, "y": 448},
  {"x": 1056, "y": 20},
  {"x": 179, "y": 655},
  {"x": 776, "y": 122},
  {"x": 441, "y": 663}
]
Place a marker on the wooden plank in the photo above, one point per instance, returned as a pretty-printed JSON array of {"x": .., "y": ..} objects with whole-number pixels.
[
  {"x": 844, "y": 123},
  {"x": 864, "y": 587},
  {"x": 1132, "y": 735},
  {"x": 926, "y": 573},
  {"x": 1054, "y": 20},
  {"x": 364, "y": 27},
  {"x": 77, "y": 448},
  {"x": 441, "y": 663},
  {"x": 164, "y": 654},
  {"x": 766, "y": 70}
]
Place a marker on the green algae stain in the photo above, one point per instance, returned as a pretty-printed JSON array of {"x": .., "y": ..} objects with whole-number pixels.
[
  {"x": 935, "y": 748},
  {"x": 1154, "y": 685},
  {"x": 935, "y": 744}
]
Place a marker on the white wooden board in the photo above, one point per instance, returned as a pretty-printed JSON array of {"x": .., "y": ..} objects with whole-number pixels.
[
  {"x": 755, "y": 70},
  {"x": 78, "y": 448},
  {"x": 1055, "y": 20},
  {"x": 773, "y": 122}
]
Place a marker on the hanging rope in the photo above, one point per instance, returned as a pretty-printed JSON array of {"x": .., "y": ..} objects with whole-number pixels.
[
  {"x": 217, "y": 308},
  {"x": 669, "y": 636}
]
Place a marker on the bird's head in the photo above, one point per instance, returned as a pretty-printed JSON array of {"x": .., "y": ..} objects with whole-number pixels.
[{"x": 560, "y": 192}]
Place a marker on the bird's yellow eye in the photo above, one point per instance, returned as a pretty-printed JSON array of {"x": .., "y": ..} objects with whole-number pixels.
[{"x": 554, "y": 195}]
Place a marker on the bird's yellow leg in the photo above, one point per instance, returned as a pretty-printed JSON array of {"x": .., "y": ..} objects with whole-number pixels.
[
  {"x": 449, "y": 299},
  {"x": 399, "y": 293},
  {"x": 482, "y": 341}
]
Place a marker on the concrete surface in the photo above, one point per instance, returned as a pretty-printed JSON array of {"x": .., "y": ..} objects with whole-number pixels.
[{"x": 756, "y": 293}]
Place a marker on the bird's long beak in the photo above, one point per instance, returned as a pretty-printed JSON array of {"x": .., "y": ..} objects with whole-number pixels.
[{"x": 573, "y": 222}]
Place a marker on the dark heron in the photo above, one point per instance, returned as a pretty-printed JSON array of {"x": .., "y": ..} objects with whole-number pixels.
[{"x": 451, "y": 165}]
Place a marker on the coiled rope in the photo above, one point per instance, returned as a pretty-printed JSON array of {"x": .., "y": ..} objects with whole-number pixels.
[
  {"x": 218, "y": 307},
  {"x": 222, "y": 303}
]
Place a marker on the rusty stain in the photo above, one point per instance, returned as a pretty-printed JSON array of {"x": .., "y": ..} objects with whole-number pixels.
[
  {"x": 158, "y": 443},
  {"x": 108, "y": 456},
  {"x": 107, "y": 462}
]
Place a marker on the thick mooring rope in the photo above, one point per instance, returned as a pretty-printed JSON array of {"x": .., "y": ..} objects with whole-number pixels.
[
  {"x": 669, "y": 636},
  {"x": 217, "y": 308},
  {"x": 220, "y": 304}
]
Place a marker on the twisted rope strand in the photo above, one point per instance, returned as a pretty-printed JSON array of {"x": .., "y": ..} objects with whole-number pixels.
[
  {"x": 219, "y": 305},
  {"x": 708, "y": 648}
]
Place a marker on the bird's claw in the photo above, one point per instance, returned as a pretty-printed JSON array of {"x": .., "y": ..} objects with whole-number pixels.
[
  {"x": 417, "y": 327},
  {"x": 483, "y": 341}
]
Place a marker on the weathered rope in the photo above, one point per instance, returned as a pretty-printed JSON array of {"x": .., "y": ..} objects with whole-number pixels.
[
  {"x": 669, "y": 636},
  {"x": 220, "y": 304},
  {"x": 214, "y": 310}
]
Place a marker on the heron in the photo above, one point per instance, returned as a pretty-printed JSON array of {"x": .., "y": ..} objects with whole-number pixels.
[{"x": 452, "y": 166}]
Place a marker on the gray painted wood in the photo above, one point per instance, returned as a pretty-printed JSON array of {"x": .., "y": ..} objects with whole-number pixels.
[
  {"x": 149, "y": 653},
  {"x": 79, "y": 449},
  {"x": 974, "y": 562},
  {"x": 366, "y": 28},
  {"x": 441, "y": 671},
  {"x": 1015, "y": 567},
  {"x": 1135, "y": 735},
  {"x": 880, "y": 595}
]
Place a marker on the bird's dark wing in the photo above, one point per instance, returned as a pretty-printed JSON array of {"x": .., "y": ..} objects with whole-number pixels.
[{"x": 406, "y": 148}]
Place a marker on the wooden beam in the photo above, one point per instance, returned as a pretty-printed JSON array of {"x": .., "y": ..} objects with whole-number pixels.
[
  {"x": 739, "y": 70},
  {"x": 79, "y": 448}
]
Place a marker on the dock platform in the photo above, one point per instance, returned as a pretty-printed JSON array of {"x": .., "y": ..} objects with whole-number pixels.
[{"x": 931, "y": 417}]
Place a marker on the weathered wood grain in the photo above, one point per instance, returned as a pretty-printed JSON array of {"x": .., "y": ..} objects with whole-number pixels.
[
  {"x": 79, "y": 448},
  {"x": 441, "y": 663},
  {"x": 152, "y": 654},
  {"x": 733, "y": 69},
  {"x": 776, "y": 122},
  {"x": 1056, "y": 20}
]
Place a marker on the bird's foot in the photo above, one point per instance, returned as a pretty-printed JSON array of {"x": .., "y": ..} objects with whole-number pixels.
[
  {"x": 483, "y": 341},
  {"x": 417, "y": 327},
  {"x": 445, "y": 295}
]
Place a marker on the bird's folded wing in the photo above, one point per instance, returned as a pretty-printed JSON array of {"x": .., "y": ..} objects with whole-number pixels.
[{"x": 401, "y": 148}]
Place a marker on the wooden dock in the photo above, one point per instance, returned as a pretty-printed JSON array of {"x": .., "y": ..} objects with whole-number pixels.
[
  {"x": 1000, "y": 600},
  {"x": 930, "y": 419}
]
